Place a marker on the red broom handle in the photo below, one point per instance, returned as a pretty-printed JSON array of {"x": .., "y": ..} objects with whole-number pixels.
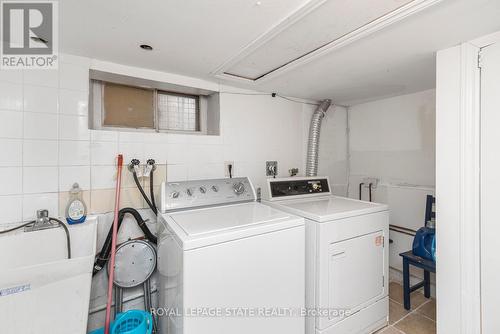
[{"x": 113, "y": 244}]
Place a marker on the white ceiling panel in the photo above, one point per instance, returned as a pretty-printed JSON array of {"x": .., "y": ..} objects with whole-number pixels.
[
  {"x": 400, "y": 59},
  {"x": 188, "y": 36},
  {"x": 330, "y": 20},
  {"x": 195, "y": 37}
]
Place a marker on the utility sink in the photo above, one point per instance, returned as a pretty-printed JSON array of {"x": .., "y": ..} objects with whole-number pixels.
[{"x": 41, "y": 290}]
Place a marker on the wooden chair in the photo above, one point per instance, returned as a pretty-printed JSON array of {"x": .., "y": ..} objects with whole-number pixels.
[{"x": 427, "y": 265}]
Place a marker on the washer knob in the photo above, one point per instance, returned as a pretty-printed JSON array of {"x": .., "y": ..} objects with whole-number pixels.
[
  {"x": 215, "y": 188},
  {"x": 175, "y": 194},
  {"x": 239, "y": 188},
  {"x": 203, "y": 189},
  {"x": 189, "y": 191}
]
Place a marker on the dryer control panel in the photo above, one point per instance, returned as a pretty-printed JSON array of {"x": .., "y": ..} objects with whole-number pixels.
[
  {"x": 202, "y": 193},
  {"x": 297, "y": 187}
]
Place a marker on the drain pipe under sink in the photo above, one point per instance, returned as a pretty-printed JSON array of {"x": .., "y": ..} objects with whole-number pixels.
[{"x": 313, "y": 141}]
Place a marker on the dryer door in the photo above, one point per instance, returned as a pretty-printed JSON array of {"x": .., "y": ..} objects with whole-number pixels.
[{"x": 353, "y": 275}]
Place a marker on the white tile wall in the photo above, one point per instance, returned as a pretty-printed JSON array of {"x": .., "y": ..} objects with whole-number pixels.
[
  {"x": 73, "y": 127},
  {"x": 73, "y": 102},
  {"x": 40, "y": 99},
  {"x": 11, "y": 125},
  {"x": 161, "y": 153},
  {"x": 11, "y": 76},
  {"x": 74, "y": 153},
  {"x": 177, "y": 172},
  {"x": 103, "y": 177},
  {"x": 11, "y": 208},
  {"x": 44, "y": 133},
  {"x": 131, "y": 137},
  {"x": 12, "y": 96},
  {"x": 47, "y": 78},
  {"x": 11, "y": 179},
  {"x": 40, "y": 153},
  {"x": 97, "y": 135},
  {"x": 40, "y": 126},
  {"x": 40, "y": 180},
  {"x": 11, "y": 152},
  {"x": 172, "y": 153},
  {"x": 103, "y": 153},
  {"x": 71, "y": 174},
  {"x": 132, "y": 150}
]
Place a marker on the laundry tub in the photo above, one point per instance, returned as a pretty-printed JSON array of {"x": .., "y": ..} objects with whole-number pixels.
[{"x": 41, "y": 290}]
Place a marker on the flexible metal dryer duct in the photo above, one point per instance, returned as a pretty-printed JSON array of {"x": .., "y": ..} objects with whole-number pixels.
[{"x": 313, "y": 142}]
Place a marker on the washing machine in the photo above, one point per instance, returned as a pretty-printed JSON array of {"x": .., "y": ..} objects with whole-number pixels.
[
  {"x": 226, "y": 263},
  {"x": 347, "y": 255}
]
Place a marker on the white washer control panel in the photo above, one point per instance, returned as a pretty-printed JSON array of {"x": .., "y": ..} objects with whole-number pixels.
[{"x": 200, "y": 193}]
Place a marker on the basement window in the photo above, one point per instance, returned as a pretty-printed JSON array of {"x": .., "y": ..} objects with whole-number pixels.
[
  {"x": 125, "y": 106},
  {"x": 178, "y": 112},
  {"x": 142, "y": 105}
]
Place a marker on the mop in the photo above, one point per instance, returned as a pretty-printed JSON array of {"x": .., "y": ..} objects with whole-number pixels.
[{"x": 113, "y": 244}]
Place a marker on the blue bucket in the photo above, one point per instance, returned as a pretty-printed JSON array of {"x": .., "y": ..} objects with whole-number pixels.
[{"x": 130, "y": 322}]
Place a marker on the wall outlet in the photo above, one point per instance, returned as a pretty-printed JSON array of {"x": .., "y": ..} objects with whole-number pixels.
[
  {"x": 293, "y": 171},
  {"x": 226, "y": 168},
  {"x": 271, "y": 168}
]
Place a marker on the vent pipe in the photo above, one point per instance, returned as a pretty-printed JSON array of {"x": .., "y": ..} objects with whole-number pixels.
[{"x": 313, "y": 142}]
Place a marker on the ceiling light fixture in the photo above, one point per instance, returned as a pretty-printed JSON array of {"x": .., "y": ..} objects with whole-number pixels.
[{"x": 146, "y": 47}]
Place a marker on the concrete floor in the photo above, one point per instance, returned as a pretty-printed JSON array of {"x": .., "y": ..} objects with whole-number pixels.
[{"x": 421, "y": 319}]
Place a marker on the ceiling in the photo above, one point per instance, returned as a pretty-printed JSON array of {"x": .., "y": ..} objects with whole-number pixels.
[{"x": 199, "y": 38}]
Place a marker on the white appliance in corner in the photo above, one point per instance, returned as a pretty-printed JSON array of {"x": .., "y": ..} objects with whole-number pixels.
[
  {"x": 346, "y": 255},
  {"x": 226, "y": 262}
]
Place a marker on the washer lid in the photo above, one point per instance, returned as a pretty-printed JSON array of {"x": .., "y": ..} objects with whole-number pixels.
[
  {"x": 328, "y": 208},
  {"x": 202, "y": 227}
]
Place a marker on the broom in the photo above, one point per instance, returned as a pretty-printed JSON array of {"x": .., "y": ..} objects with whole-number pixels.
[{"x": 113, "y": 244}]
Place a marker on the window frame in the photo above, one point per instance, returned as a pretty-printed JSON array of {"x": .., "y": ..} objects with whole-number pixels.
[{"x": 99, "y": 113}]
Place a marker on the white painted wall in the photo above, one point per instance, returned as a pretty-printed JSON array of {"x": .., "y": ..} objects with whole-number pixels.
[
  {"x": 393, "y": 140},
  {"x": 333, "y": 146}
]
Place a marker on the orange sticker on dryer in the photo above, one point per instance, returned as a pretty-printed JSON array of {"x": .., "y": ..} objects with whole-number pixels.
[{"x": 379, "y": 241}]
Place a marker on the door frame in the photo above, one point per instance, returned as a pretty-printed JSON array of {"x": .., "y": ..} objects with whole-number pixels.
[{"x": 458, "y": 116}]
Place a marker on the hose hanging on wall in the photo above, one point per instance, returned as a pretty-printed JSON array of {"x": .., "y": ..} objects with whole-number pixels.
[
  {"x": 151, "y": 163},
  {"x": 138, "y": 184},
  {"x": 101, "y": 260},
  {"x": 134, "y": 164},
  {"x": 313, "y": 142}
]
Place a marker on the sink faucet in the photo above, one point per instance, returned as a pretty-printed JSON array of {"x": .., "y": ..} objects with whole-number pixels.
[{"x": 42, "y": 222}]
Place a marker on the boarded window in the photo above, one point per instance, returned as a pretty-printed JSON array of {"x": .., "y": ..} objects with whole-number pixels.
[{"x": 126, "y": 106}]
